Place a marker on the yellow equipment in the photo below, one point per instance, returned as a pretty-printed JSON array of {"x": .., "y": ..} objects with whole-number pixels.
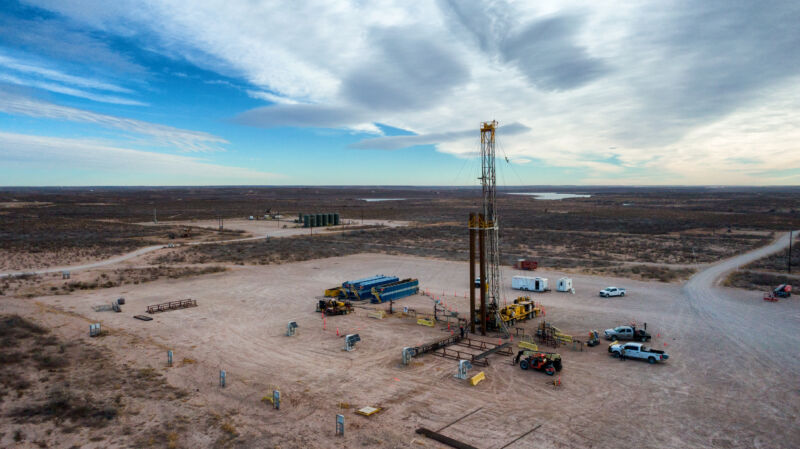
[
  {"x": 334, "y": 292},
  {"x": 477, "y": 378},
  {"x": 522, "y": 309},
  {"x": 425, "y": 322}
]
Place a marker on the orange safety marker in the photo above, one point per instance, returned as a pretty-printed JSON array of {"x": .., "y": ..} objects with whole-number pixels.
[
  {"x": 658, "y": 335},
  {"x": 337, "y": 331}
]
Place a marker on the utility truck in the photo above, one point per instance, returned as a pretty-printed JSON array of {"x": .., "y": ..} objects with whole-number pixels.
[{"x": 637, "y": 351}]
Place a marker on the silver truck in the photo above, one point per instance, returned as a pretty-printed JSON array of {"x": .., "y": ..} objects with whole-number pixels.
[
  {"x": 637, "y": 351},
  {"x": 627, "y": 333}
]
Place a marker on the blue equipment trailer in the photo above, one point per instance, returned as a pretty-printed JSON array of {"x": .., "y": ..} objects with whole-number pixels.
[
  {"x": 395, "y": 290},
  {"x": 362, "y": 288}
]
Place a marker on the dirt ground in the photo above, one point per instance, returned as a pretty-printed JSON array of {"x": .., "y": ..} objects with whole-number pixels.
[{"x": 723, "y": 386}]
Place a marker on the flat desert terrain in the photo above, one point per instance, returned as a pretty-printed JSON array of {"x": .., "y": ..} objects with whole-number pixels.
[{"x": 731, "y": 380}]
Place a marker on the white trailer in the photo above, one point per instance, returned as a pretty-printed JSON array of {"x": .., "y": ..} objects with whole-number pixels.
[
  {"x": 522, "y": 283},
  {"x": 531, "y": 284},
  {"x": 564, "y": 285}
]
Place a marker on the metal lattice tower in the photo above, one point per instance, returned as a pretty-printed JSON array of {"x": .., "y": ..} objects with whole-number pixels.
[{"x": 489, "y": 189}]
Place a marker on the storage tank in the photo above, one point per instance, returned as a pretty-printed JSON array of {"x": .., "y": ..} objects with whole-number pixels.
[
  {"x": 330, "y": 219},
  {"x": 324, "y": 219},
  {"x": 336, "y": 219},
  {"x": 306, "y": 221},
  {"x": 319, "y": 219},
  {"x": 313, "y": 221}
]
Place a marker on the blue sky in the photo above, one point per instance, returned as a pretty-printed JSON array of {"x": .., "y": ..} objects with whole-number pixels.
[{"x": 341, "y": 93}]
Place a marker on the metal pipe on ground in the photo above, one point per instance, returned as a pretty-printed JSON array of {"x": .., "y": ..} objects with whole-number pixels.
[{"x": 444, "y": 439}]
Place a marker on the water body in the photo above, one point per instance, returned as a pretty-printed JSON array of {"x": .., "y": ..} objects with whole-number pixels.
[
  {"x": 551, "y": 195},
  {"x": 373, "y": 200}
]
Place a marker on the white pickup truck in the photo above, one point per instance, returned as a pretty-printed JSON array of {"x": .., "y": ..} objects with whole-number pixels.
[
  {"x": 637, "y": 351},
  {"x": 612, "y": 291}
]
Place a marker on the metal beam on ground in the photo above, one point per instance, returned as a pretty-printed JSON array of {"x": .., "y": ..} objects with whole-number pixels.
[{"x": 444, "y": 439}]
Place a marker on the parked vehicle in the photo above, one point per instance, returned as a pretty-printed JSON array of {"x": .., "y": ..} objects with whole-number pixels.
[
  {"x": 524, "y": 264},
  {"x": 783, "y": 291},
  {"x": 627, "y": 333},
  {"x": 637, "y": 351},
  {"x": 545, "y": 362},
  {"x": 612, "y": 291}
]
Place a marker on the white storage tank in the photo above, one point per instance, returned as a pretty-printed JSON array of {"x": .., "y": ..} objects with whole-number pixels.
[{"x": 564, "y": 285}]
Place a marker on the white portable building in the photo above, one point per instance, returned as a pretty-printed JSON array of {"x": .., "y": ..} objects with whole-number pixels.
[
  {"x": 564, "y": 285},
  {"x": 522, "y": 283},
  {"x": 531, "y": 284}
]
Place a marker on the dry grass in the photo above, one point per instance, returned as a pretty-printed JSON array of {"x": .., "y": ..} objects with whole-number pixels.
[
  {"x": 753, "y": 280},
  {"x": 61, "y": 389},
  {"x": 592, "y": 251}
]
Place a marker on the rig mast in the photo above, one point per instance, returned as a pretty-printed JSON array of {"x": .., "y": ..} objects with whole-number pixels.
[{"x": 490, "y": 224}]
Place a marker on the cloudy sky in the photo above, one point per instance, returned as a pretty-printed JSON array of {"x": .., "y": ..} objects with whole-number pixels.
[{"x": 172, "y": 92}]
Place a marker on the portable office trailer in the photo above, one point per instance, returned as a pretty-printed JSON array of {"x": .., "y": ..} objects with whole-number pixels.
[
  {"x": 531, "y": 284},
  {"x": 522, "y": 283},
  {"x": 564, "y": 285}
]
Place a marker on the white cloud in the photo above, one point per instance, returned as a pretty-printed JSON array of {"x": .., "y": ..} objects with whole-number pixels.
[
  {"x": 272, "y": 98},
  {"x": 104, "y": 164},
  {"x": 604, "y": 87},
  {"x": 71, "y": 91},
  {"x": 56, "y": 75},
  {"x": 185, "y": 140}
]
